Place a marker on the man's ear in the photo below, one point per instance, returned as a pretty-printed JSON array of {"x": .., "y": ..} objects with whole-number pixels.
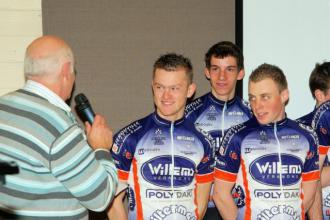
[
  {"x": 152, "y": 86},
  {"x": 241, "y": 74},
  {"x": 66, "y": 70},
  {"x": 285, "y": 96},
  {"x": 191, "y": 90},
  {"x": 207, "y": 72},
  {"x": 319, "y": 96}
]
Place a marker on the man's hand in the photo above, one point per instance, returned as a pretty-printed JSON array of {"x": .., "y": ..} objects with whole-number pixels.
[{"x": 99, "y": 134}]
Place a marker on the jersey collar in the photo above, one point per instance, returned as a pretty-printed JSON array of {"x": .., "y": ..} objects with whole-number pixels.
[
  {"x": 162, "y": 121},
  {"x": 278, "y": 123},
  {"x": 220, "y": 102}
]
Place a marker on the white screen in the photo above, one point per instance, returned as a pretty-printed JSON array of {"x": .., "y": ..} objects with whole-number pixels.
[{"x": 292, "y": 34}]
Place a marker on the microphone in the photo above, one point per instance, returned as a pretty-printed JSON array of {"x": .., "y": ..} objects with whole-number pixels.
[{"x": 83, "y": 108}]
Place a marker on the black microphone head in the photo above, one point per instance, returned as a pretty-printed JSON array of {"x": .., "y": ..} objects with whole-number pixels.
[
  {"x": 80, "y": 99},
  {"x": 83, "y": 108}
]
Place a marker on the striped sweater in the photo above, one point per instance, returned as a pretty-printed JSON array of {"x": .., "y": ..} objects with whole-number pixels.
[{"x": 60, "y": 176}]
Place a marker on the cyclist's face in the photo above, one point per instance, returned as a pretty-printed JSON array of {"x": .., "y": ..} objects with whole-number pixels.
[
  {"x": 171, "y": 90},
  {"x": 223, "y": 74},
  {"x": 267, "y": 102}
]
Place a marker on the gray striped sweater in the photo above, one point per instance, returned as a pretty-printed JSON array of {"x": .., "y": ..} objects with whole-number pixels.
[{"x": 60, "y": 176}]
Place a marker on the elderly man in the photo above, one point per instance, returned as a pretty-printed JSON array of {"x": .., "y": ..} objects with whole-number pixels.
[{"x": 61, "y": 174}]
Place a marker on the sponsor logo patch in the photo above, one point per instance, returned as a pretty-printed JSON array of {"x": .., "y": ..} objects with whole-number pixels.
[
  {"x": 159, "y": 171},
  {"x": 128, "y": 155},
  {"x": 169, "y": 194},
  {"x": 158, "y": 139},
  {"x": 268, "y": 170},
  {"x": 185, "y": 138},
  {"x": 131, "y": 199},
  {"x": 263, "y": 137},
  {"x": 233, "y": 155},
  {"x": 278, "y": 211},
  {"x": 167, "y": 211},
  {"x": 115, "y": 149},
  {"x": 248, "y": 150},
  {"x": 323, "y": 130},
  {"x": 293, "y": 136},
  {"x": 220, "y": 163},
  {"x": 148, "y": 150},
  {"x": 275, "y": 194},
  {"x": 235, "y": 113}
]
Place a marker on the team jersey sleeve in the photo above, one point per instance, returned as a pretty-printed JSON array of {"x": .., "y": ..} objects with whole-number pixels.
[
  {"x": 205, "y": 167},
  {"x": 311, "y": 166},
  {"x": 322, "y": 129},
  {"x": 228, "y": 158},
  {"x": 122, "y": 153}
]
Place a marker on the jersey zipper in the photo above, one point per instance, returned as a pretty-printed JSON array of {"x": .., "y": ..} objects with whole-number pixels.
[
  {"x": 223, "y": 121},
  {"x": 172, "y": 166},
  {"x": 279, "y": 164}
]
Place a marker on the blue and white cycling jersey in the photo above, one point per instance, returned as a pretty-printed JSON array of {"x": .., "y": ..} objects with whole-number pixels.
[
  {"x": 268, "y": 163},
  {"x": 162, "y": 162},
  {"x": 321, "y": 124},
  {"x": 215, "y": 117},
  {"x": 307, "y": 119}
]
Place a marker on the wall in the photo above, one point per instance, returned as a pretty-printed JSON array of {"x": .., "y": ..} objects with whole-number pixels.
[
  {"x": 20, "y": 22},
  {"x": 293, "y": 35},
  {"x": 117, "y": 42}
]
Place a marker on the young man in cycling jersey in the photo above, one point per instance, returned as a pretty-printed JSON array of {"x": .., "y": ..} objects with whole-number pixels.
[
  {"x": 319, "y": 84},
  {"x": 215, "y": 112},
  {"x": 273, "y": 159},
  {"x": 165, "y": 162}
]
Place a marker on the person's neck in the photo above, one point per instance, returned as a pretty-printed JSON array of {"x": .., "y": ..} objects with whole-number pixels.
[
  {"x": 223, "y": 98},
  {"x": 318, "y": 104},
  {"x": 54, "y": 87}
]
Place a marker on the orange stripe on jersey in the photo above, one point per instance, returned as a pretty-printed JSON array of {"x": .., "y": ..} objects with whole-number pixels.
[
  {"x": 223, "y": 175},
  {"x": 139, "y": 212},
  {"x": 314, "y": 175},
  {"x": 302, "y": 204},
  {"x": 196, "y": 202},
  {"x": 247, "y": 214},
  {"x": 123, "y": 175},
  {"x": 206, "y": 178},
  {"x": 323, "y": 149}
]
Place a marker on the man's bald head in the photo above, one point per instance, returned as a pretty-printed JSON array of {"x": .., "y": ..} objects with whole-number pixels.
[{"x": 45, "y": 56}]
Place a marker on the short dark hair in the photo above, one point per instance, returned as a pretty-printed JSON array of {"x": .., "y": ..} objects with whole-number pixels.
[
  {"x": 268, "y": 71},
  {"x": 173, "y": 62},
  {"x": 225, "y": 49},
  {"x": 320, "y": 78}
]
